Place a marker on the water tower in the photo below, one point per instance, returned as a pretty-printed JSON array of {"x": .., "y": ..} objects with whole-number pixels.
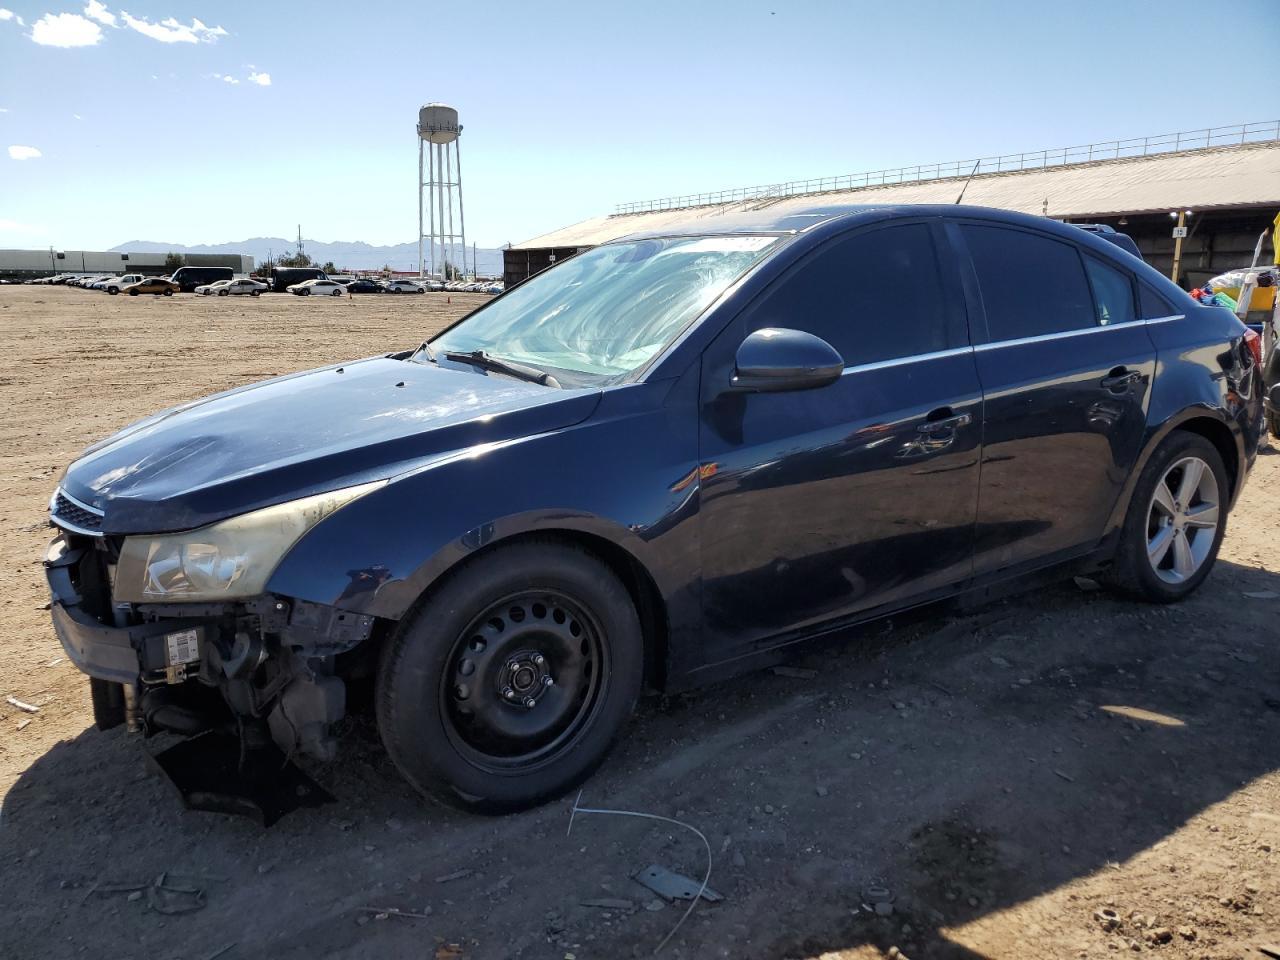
[{"x": 440, "y": 191}]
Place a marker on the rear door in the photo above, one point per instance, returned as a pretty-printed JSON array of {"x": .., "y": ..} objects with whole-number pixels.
[
  {"x": 1066, "y": 369},
  {"x": 824, "y": 503}
]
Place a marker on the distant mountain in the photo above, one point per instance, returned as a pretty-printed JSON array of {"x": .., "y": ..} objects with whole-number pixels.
[{"x": 353, "y": 256}]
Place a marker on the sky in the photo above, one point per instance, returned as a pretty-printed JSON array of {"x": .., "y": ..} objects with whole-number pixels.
[{"x": 216, "y": 120}]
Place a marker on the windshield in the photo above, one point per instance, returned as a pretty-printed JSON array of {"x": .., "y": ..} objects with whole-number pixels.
[{"x": 607, "y": 312}]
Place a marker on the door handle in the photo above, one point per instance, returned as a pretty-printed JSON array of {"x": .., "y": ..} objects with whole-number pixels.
[
  {"x": 945, "y": 423},
  {"x": 1121, "y": 379}
]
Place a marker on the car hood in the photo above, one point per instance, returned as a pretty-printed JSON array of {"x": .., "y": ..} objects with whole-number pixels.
[{"x": 302, "y": 434}]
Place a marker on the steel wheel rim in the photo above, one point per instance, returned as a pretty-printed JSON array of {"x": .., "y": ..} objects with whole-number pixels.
[
  {"x": 491, "y": 674},
  {"x": 1182, "y": 520}
]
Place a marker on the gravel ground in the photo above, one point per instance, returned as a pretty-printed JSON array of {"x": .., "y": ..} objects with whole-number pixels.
[{"x": 1058, "y": 775}]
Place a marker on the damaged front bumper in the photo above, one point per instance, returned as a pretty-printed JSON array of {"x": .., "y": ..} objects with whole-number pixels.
[{"x": 268, "y": 662}]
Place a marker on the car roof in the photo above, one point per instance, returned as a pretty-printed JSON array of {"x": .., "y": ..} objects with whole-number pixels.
[{"x": 797, "y": 220}]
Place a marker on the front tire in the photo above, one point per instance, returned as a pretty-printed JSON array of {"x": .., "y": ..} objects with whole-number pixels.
[
  {"x": 133, "y": 293},
  {"x": 1175, "y": 523},
  {"x": 1273, "y": 424},
  {"x": 222, "y": 293},
  {"x": 508, "y": 685},
  {"x": 168, "y": 293}
]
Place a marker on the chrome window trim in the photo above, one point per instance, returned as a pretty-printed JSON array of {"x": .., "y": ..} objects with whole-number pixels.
[
  {"x": 899, "y": 361},
  {"x": 66, "y": 524},
  {"x": 1067, "y": 334},
  {"x": 1175, "y": 316}
]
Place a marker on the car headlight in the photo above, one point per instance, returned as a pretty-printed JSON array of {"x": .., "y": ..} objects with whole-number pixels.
[{"x": 227, "y": 560}]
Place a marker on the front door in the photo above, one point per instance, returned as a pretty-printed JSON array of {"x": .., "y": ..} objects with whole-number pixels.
[
  {"x": 819, "y": 504},
  {"x": 1066, "y": 368}
]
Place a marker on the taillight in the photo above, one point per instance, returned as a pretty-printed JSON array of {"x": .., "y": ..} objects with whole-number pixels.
[{"x": 1254, "y": 343}]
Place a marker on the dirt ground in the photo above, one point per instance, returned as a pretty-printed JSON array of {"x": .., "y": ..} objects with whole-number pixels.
[{"x": 1006, "y": 775}]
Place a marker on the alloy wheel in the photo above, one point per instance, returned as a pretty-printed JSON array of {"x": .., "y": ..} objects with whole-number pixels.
[{"x": 1182, "y": 520}]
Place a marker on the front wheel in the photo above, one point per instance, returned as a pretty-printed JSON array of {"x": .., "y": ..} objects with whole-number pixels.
[
  {"x": 508, "y": 685},
  {"x": 304, "y": 293},
  {"x": 168, "y": 293},
  {"x": 1273, "y": 423},
  {"x": 113, "y": 290},
  {"x": 222, "y": 293},
  {"x": 1175, "y": 523},
  {"x": 133, "y": 293}
]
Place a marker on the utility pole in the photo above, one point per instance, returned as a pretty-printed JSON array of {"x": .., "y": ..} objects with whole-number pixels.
[
  {"x": 1179, "y": 232},
  {"x": 299, "y": 241}
]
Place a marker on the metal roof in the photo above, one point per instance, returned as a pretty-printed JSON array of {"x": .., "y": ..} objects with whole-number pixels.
[{"x": 1239, "y": 176}]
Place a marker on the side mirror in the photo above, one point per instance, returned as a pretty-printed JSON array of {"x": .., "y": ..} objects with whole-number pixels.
[{"x": 775, "y": 359}]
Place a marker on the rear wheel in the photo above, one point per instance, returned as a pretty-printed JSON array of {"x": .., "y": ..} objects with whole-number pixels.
[
  {"x": 507, "y": 687},
  {"x": 336, "y": 293},
  {"x": 222, "y": 293},
  {"x": 1273, "y": 423},
  {"x": 1176, "y": 521},
  {"x": 254, "y": 293},
  {"x": 108, "y": 703},
  {"x": 113, "y": 290},
  {"x": 168, "y": 293},
  {"x": 133, "y": 293}
]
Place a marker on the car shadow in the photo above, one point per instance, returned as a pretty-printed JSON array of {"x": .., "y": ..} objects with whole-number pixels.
[{"x": 963, "y": 763}]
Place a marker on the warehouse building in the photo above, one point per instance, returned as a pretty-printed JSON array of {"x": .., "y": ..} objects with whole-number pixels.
[
  {"x": 1224, "y": 181},
  {"x": 29, "y": 264}
]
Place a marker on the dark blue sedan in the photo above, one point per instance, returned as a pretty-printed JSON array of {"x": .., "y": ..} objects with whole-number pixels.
[{"x": 662, "y": 461}]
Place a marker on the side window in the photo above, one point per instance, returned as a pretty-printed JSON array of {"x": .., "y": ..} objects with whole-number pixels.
[
  {"x": 1152, "y": 305},
  {"x": 1112, "y": 293},
  {"x": 874, "y": 296},
  {"x": 1031, "y": 285}
]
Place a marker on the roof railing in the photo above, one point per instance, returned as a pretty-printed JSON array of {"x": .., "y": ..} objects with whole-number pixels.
[{"x": 1039, "y": 159}]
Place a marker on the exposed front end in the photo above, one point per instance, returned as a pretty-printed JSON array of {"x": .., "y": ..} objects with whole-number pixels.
[{"x": 177, "y": 633}]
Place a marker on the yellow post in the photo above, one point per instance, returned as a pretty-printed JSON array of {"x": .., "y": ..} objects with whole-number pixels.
[{"x": 1177, "y": 246}]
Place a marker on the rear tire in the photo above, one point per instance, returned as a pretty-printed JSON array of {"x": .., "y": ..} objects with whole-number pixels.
[
  {"x": 108, "y": 703},
  {"x": 133, "y": 293},
  {"x": 113, "y": 290},
  {"x": 168, "y": 293},
  {"x": 1175, "y": 523},
  {"x": 222, "y": 293},
  {"x": 336, "y": 293},
  {"x": 507, "y": 687},
  {"x": 1273, "y": 424}
]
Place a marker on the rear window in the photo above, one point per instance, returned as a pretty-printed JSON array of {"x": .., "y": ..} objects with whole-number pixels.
[
  {"x": 1112, "y": 293},
  {"x": 1152, "y": 305},
  {"x": 1031, "y": 285}
]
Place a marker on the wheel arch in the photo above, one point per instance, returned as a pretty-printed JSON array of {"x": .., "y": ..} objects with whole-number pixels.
[
  {"x": 1205, "y": 421},
  {"x": 650, "y": 604}
]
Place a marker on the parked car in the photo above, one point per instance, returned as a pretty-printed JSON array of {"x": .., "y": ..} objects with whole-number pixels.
[
  {"x": 188, "y": 278},
  {"x": 320, "y": 288},
  {"x": 364, "y": 285},
  {"x": 434, "y": 285},
  {"x": 1112, "y": 235},
  {"x": 157, "y": 285},
  {"x": 402, "y": 286},
  {"x": 282, "y": 278},
  {"x": 114, "y": 285},
  {"x": 663, "y": 461},
  {"x": 239, "y": 287}
]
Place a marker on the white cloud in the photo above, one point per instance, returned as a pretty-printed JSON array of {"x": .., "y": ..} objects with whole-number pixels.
[
  {"x": 231, "y": 80},
  {"x": 261, "y": 79},
  {"x": 77, "y": 116},
  {"x": 18, "y": 152},
  {"x": 98, "y": 11},
  {"x": 65, "y": 30},
  {"x": 171, "y": 31},
  {"x": 10, "y": 15}
]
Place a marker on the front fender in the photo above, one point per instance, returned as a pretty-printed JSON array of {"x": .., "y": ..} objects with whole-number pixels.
[{"x": 627, "y": 475}]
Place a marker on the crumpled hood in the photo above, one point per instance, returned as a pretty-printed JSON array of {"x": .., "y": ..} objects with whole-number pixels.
[{"x": 302, "y": 434}]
